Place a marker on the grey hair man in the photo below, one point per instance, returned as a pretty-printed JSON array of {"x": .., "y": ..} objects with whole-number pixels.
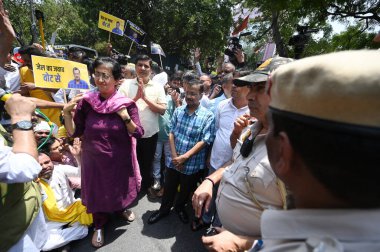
[{"x": 247, "y": 183}]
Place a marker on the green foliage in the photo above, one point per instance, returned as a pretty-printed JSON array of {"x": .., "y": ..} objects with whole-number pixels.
[
  {"x": 280, "y": 17},
  {"x": 19, "y": 15},
  {"x": 354, "y": 39},
  {"x": 64, "y": 16},
  {"x": 61, "y": 15},
  {"x": 177, "y": 25},
  {"x": 101, "y": 47},
  {"x": 181, "y": 25}
]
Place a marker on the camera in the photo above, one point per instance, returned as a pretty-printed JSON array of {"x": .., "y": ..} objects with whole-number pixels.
[
  {"x": 301, "y": 39},
  {"x": 119, "y": 57},
  {"x": 303, "y": 35},
  {"x": 233, "y": 45}
]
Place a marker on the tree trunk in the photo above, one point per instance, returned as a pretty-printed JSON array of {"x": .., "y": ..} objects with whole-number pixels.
[{"x": 280, "y": 46}]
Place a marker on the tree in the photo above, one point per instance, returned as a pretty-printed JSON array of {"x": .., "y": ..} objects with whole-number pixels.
[
  {"x": 367, "y": 10},
  {"x": 280, "y": 18},
  {"x": 20, "y": 16},
  {"x": 353, "y": 39},
  {"x": 59, "y": 15},
  {"x": 177, "y": 25}
]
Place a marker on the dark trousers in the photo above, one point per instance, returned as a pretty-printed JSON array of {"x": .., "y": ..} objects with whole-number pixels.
[
  {"x": 101, "y": 219},
  {"x": 187, "y": 183},
  {"x": 145, "y": 148}
]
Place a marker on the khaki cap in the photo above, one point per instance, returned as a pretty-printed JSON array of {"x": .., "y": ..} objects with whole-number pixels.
[
  {"x": 343, "y": 87},
  {"x": 262, "y": 72}
]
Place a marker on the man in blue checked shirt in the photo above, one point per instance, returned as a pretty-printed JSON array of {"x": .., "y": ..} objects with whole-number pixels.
[{"x": 192, "y": 130}]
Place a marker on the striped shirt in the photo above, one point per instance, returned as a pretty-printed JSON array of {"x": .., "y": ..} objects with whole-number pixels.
[{"x": 188, "y": 130}]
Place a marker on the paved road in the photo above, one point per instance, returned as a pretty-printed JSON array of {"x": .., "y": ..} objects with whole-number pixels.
[{"x": 169, "y": 234}]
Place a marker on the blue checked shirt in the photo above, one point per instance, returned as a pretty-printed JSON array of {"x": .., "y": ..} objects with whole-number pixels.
[
  {"x": 188, "y": 130},
  {"x": 81, "y": 85}
]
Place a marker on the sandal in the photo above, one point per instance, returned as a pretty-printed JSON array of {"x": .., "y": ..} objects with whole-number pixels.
[
  {"x": 198, "y": 224},
  {"x": 128, "y": 215},
  {"x": 98, "y": 238}
]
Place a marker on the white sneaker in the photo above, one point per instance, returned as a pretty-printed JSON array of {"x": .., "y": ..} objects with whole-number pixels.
[{"x": 156, "y": 185}]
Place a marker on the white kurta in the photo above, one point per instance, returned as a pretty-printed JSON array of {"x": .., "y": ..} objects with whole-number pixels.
[{"x": 59, "y": 236}]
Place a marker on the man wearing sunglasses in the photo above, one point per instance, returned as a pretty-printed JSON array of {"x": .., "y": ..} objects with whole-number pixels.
[{"x": 247, "y": 183}]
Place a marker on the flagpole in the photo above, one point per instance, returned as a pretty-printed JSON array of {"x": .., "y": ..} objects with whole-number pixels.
[
  {"x": 64, "y": 95},
  {"x": 161, "y": 61},
  {"x": 130, "y": 48}
]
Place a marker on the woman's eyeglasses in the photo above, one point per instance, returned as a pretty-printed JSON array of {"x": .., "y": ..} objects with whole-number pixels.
[{"x": 102, "y": 75}]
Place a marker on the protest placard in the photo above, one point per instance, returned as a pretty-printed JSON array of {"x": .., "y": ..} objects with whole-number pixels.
[
  {"x": 59, "y": 73},
  {"x": 111, "y": 23},
  {"x": 156, "y": 49},
  {"x": 134, "y": 33}
]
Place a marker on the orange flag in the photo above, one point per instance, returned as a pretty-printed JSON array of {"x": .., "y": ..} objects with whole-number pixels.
[{"x": 241, "y": 26}]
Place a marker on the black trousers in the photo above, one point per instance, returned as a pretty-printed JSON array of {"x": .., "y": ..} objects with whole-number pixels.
[
  {"x": 145, "y": 148},
  {"x": 187, "y": 183}
]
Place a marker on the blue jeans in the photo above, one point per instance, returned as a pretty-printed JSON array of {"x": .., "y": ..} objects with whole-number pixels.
[{"x": 157, "y": 158}]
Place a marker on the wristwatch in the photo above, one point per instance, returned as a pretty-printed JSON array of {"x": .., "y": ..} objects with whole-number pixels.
[
  {"x": 22, "y": 125},
  {"x": 128, "y": 120}
]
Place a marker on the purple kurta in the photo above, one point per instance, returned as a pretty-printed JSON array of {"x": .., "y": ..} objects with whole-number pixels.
[{"x": 109, "y": 182}]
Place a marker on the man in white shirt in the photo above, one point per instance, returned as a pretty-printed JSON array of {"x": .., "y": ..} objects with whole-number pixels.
[
  {"x": 160, "y": 76},
  {"x": 227, "y": 112},
  {"x": 59, "y": 236},
  {"x": 18, "y": 167},
  {"x": 150, "y": 99}
]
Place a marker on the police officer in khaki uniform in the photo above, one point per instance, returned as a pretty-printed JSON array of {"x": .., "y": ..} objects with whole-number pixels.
[
  {"x": 324, "y": 144},
  {"x": 247, "y": 183}
]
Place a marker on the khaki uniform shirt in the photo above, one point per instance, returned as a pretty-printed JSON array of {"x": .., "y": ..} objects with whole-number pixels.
[
  {"x": 155, "y": 93},
  {"x": 237, "y": 210},
  {"x": 321, "y": 230}
]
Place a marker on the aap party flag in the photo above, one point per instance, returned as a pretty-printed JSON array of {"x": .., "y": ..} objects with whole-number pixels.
[
  {"x": 134, "y": 33},
  {"x": 156, "y": 49}
]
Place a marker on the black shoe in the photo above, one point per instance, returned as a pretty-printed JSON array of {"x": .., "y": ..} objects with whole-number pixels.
[
  {"x": 183, "y": 216},
  {"x": 156, "y": 216}
]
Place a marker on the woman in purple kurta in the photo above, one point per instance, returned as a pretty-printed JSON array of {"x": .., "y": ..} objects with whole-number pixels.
[{"x": 107, "y": 122}]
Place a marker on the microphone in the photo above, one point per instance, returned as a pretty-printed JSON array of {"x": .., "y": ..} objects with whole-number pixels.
[{"x": 5, "y": 95}]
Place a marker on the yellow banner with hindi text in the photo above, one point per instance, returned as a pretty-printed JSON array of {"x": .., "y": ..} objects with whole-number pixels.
[
  {"x": 59, "y": 73},
  {"x": 111, "y": 23}
]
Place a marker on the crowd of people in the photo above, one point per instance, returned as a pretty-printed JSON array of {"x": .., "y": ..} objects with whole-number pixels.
[{"x": 279, "y": 158}]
